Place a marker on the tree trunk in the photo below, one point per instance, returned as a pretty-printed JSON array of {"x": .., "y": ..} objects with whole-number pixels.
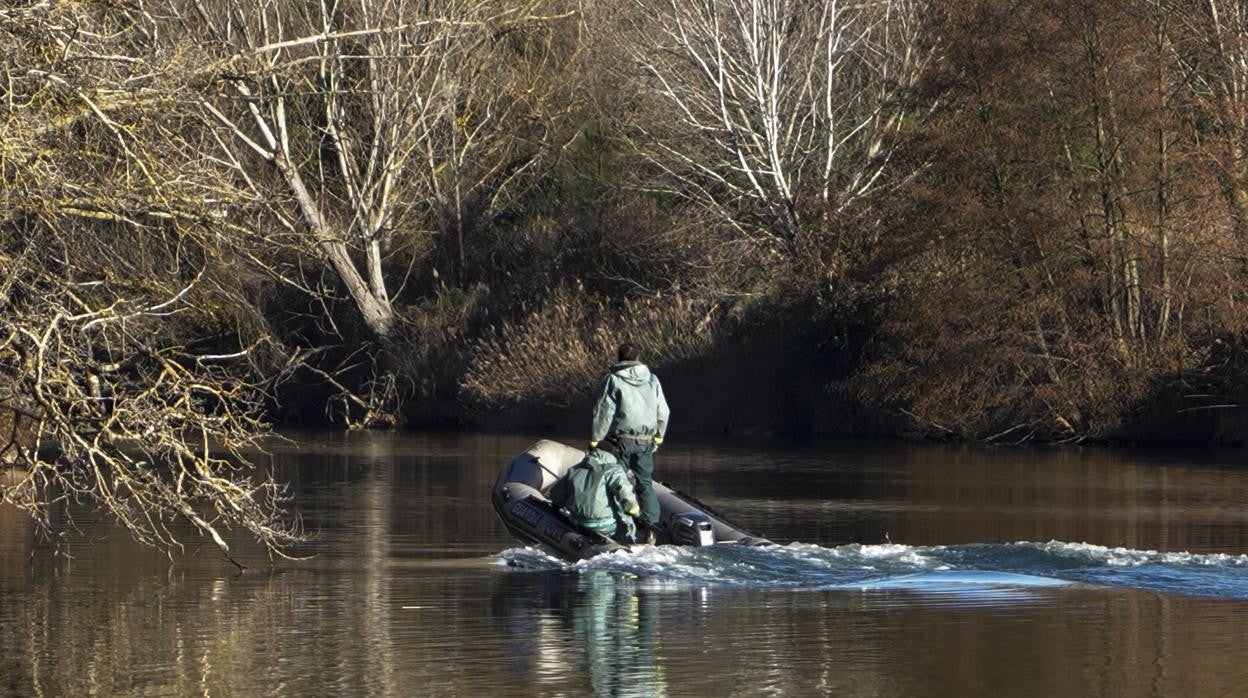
[{"x": 377, "y": 312}]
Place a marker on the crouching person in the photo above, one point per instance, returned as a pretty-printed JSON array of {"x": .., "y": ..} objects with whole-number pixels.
[{"x": 597, "y": 494}]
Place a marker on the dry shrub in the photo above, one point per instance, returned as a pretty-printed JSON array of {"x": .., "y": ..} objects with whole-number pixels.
[
  {"x": 428, "y": 351},
  {"x": 561, "y": 348}
]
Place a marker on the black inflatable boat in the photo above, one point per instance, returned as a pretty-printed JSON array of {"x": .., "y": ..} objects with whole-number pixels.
[{"x": 520, "y": 496}]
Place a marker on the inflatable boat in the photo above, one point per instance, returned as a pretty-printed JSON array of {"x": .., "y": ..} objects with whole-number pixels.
[{"x": 521, "y": 498}]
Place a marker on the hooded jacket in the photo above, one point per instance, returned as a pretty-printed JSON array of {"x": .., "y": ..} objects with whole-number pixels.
[
  {"x": 602, "y": 509},
  {"x": 630, "y": 403}
]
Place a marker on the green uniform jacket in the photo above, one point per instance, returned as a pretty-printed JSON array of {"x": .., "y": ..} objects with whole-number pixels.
[
  {"x": 608, "y": 506},
  {"x": 630, "y": 403}
]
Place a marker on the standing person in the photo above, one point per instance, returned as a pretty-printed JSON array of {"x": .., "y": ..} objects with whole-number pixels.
[{"x": 631, "y": 409}]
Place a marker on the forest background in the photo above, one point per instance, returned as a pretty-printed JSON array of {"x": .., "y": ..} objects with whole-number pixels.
[{"x": 995, "y": 220}]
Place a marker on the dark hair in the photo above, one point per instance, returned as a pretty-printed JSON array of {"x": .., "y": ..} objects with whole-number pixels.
[{"x": 627, "y": 352}]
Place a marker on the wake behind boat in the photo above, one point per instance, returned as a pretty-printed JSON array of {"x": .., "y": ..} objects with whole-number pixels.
[{"x": 521, "y": 497}]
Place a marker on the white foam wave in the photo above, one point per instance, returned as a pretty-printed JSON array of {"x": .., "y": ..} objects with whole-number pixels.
[
  {"x": 856, "y": 566},
  {"x": 794, "y": 565},
  {"x": 1127, "y": 557}
]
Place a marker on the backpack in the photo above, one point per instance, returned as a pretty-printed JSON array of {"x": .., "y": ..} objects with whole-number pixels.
[{"x": 577, "y": 492}]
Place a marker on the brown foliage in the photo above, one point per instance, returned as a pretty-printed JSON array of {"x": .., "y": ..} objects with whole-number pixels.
[
  {"x": 559, "y": 350},
  {"x": 1075, "y": 253}
]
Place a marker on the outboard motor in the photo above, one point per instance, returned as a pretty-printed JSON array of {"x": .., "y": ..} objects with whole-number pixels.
[{"x": 693, "y": 528}]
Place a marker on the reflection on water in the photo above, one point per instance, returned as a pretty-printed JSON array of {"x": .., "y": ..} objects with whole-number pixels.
[
  {"x": 603, "y": 622},
  {"x": 911, "y": 578}
]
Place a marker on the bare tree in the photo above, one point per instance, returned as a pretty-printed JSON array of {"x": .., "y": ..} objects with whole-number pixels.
[
  {"x": 782, "y": 102},
  {"x": 1213, "y": 52},
  {"x": 114, "y": 251},
  {"x": 367, "y": 111},
  {"x": 318, "y": 74},
  {"x": 388, "y": 125}
]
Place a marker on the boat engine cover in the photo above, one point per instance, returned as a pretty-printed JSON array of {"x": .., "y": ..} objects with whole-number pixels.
[{"x": 693, "y": 528}]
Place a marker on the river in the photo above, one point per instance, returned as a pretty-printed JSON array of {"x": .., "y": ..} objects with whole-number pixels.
[{"x": 903, "y": 570}]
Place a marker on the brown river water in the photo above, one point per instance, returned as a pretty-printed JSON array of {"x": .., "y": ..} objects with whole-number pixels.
[{"x": 904, "y": 570}]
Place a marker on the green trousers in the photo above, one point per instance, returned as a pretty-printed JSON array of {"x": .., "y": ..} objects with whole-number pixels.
[
  {"x": 621, "y": 529},
  {"x": 639, "y": 457}
]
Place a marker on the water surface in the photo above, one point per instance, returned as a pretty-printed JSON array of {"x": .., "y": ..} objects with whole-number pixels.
[{"x": 902, "y": 570}]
